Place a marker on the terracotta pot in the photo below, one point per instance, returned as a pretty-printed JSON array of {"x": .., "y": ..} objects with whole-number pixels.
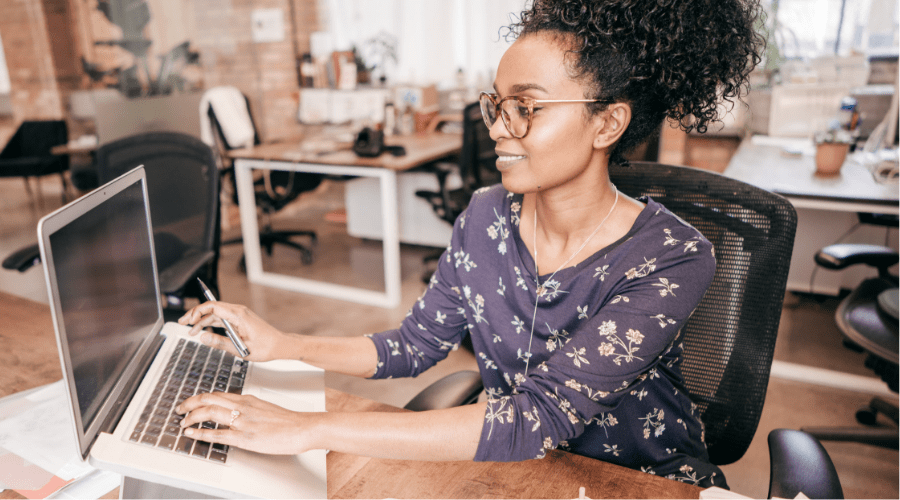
[{"x": 830, "y": 157}]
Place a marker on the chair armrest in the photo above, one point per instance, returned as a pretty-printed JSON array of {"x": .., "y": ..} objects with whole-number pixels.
[
  {"x": 23, "y": 259},
  {"x": 456, "y": 389},
  {"x": 799, "y": 463},
  {"x": 842, "y": 255}
]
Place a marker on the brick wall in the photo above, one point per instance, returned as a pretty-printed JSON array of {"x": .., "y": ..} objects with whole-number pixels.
[
  {"x": 265, "y": 72},
  {"x": 42, "y": 69},
  {"x": 26, "y": 45}
]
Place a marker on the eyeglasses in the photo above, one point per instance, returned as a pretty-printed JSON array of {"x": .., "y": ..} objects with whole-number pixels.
[{"x": 516, "y": 111}]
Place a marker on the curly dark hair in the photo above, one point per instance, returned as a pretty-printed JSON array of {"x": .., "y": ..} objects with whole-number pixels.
[{"x": 666, "y": 58}]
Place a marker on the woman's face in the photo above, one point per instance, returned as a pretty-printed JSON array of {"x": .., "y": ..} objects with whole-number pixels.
[{"x": 559, "y": 147}]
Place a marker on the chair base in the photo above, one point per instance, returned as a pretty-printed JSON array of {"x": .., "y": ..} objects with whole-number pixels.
[
  {"x": 268, "y": 240},
  {"x": 885, "y": 438},
  {"x": 877, "y": 436}
]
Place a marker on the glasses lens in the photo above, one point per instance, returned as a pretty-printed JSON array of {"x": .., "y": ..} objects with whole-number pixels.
[
  {"x": 488, "y": 110},
  {"x": 515, "y": 116}
]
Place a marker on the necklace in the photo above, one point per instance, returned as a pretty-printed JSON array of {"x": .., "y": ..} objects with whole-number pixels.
[{"x": 541, "y": 288}]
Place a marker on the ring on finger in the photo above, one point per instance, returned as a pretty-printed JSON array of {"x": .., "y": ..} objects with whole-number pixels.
[{"x": 234, "y": 415}]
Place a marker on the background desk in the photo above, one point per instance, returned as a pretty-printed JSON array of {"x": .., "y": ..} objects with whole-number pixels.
[
  {"x": 29, "y": 350},
  {"x": 826, "y": 208},
  {"x": 420, "y": 149}
]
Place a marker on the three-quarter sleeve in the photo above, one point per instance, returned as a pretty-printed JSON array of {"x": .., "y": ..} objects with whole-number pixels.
[
  {"x": 614, "y": 350},
  {"x": 434, "y": 326}
]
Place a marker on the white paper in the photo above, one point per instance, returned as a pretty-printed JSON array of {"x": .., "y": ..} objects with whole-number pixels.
[
  {"x": 42, "y": 433},
  {"x": 94, "y": 485},
  {"x": 716, "y": 493}
]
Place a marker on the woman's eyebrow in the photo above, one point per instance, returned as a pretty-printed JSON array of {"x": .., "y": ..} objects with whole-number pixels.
[{"x": 522, "y": 87}]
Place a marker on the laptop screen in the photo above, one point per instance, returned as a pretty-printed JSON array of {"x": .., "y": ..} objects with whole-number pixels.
[{"x": 107, "y": 292}]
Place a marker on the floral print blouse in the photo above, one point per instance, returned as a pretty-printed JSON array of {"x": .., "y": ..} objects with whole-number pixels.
[{"x": 600, "y": 376}]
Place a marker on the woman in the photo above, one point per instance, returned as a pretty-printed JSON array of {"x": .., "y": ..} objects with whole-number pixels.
[{"x": 574, "y": 293}]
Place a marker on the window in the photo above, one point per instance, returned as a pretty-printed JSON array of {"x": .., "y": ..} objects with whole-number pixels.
[
  {"x": 434, "y": 38},
  {"x": 806, "y": 29}
]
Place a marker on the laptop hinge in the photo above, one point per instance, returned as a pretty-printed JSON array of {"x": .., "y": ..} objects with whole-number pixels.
[{"x": 118, "y": 409}]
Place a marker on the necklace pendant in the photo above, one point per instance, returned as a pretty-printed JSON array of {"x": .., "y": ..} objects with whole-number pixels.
[{"x": 540, "y": 291}]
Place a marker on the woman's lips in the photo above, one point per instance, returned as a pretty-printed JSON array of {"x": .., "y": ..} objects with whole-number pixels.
[{"x": 505, "y": 161}]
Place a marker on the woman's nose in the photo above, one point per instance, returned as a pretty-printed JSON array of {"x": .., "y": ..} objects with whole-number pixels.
[{"x": 499, "y": 131}]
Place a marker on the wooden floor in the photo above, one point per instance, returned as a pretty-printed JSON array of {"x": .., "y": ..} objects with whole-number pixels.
[{"x": 807, "y": 335}]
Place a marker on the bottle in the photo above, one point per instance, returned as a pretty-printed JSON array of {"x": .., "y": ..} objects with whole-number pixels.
[
  {"x": 849, "y": 114},
  {"x": 307, "y": 71},
  {"x": 390, "y": 118}
]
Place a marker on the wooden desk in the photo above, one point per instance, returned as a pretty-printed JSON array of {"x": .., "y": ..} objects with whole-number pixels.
[
  {"x": 558, "y": 475},
  {"x": 26, "y": 333},
  {"x": 420, "y": 149}
]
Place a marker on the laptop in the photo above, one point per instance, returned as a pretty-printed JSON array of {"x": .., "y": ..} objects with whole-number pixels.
[{"x": 117, "y": 359}]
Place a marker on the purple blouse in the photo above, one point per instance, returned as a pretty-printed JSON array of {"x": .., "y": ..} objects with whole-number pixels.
[{"x": 600, "y": 376}]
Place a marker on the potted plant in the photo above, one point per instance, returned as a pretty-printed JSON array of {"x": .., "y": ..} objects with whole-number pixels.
[{"x": 832, "y": 146}]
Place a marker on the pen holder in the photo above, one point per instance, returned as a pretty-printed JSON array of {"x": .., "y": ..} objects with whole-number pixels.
[{"x": 830, "y": 157}]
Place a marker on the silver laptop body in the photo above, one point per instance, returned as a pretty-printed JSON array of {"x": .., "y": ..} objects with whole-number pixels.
[{"x": 100, "y": 270}]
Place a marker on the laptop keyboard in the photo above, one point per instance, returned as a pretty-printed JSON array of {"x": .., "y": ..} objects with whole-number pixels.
[{"x": 193, "y": 368}]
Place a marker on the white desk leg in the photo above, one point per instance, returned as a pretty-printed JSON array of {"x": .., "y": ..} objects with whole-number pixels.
[
  {"x": 391, "y": 236},
  {"x": 249, "y": 225},
  {"x": 390, "y": 298}
]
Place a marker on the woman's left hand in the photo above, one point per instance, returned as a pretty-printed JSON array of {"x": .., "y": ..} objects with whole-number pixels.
[{"x": 254, "y": 424}]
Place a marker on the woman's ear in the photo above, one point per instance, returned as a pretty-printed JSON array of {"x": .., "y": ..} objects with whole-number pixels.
[{"x": 612, "y": 124}]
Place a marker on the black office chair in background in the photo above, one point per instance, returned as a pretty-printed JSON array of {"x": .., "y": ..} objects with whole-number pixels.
[
  {"x": 183, "y": 188},
  {"x": 27, "y": 154},
  {"x": 729, "y": 341},
  {"x": 868, "y": 319},
  {"x": 475, "y": 167},
  {"x": 273, "y": 191}
]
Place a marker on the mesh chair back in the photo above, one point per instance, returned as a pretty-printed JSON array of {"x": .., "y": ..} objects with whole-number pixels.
[
  {"x": 183, "y": 186},
  {"x": 477, "y": 157},
  {"x": 729, "y": 340}
]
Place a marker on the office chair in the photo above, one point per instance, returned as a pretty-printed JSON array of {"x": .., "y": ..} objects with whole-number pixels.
[
  {"x": 475, "y": 166},
  {"x": 729, "y": 340},
  {"x": 27, "y": 154},
  {"x": 183, "y": 187},
  {"x": 273, "y": 190},
  {"x": 868, "y": 319}
]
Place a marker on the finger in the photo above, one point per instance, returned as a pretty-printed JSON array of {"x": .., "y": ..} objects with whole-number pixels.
[
  {"x": 223, "y": 436},
  {"x": 214, "y": 413},
  {"x": 219, "y": 342},
  {"x": 204, "y": 322},
  {"x": 194, "y": 314},
  {"x": 220, "y": 309},
  {"x": 223, "y": 399}
]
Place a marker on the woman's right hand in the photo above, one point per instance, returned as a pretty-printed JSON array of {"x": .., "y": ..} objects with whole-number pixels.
[{"x": 263, "y": 340}]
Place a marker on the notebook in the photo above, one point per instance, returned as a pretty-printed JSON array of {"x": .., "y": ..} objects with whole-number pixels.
[{"x": 116, "y": 353}]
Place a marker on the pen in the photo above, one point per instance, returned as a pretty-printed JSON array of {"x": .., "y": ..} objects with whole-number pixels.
[{"x": 235, "y": 339}]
